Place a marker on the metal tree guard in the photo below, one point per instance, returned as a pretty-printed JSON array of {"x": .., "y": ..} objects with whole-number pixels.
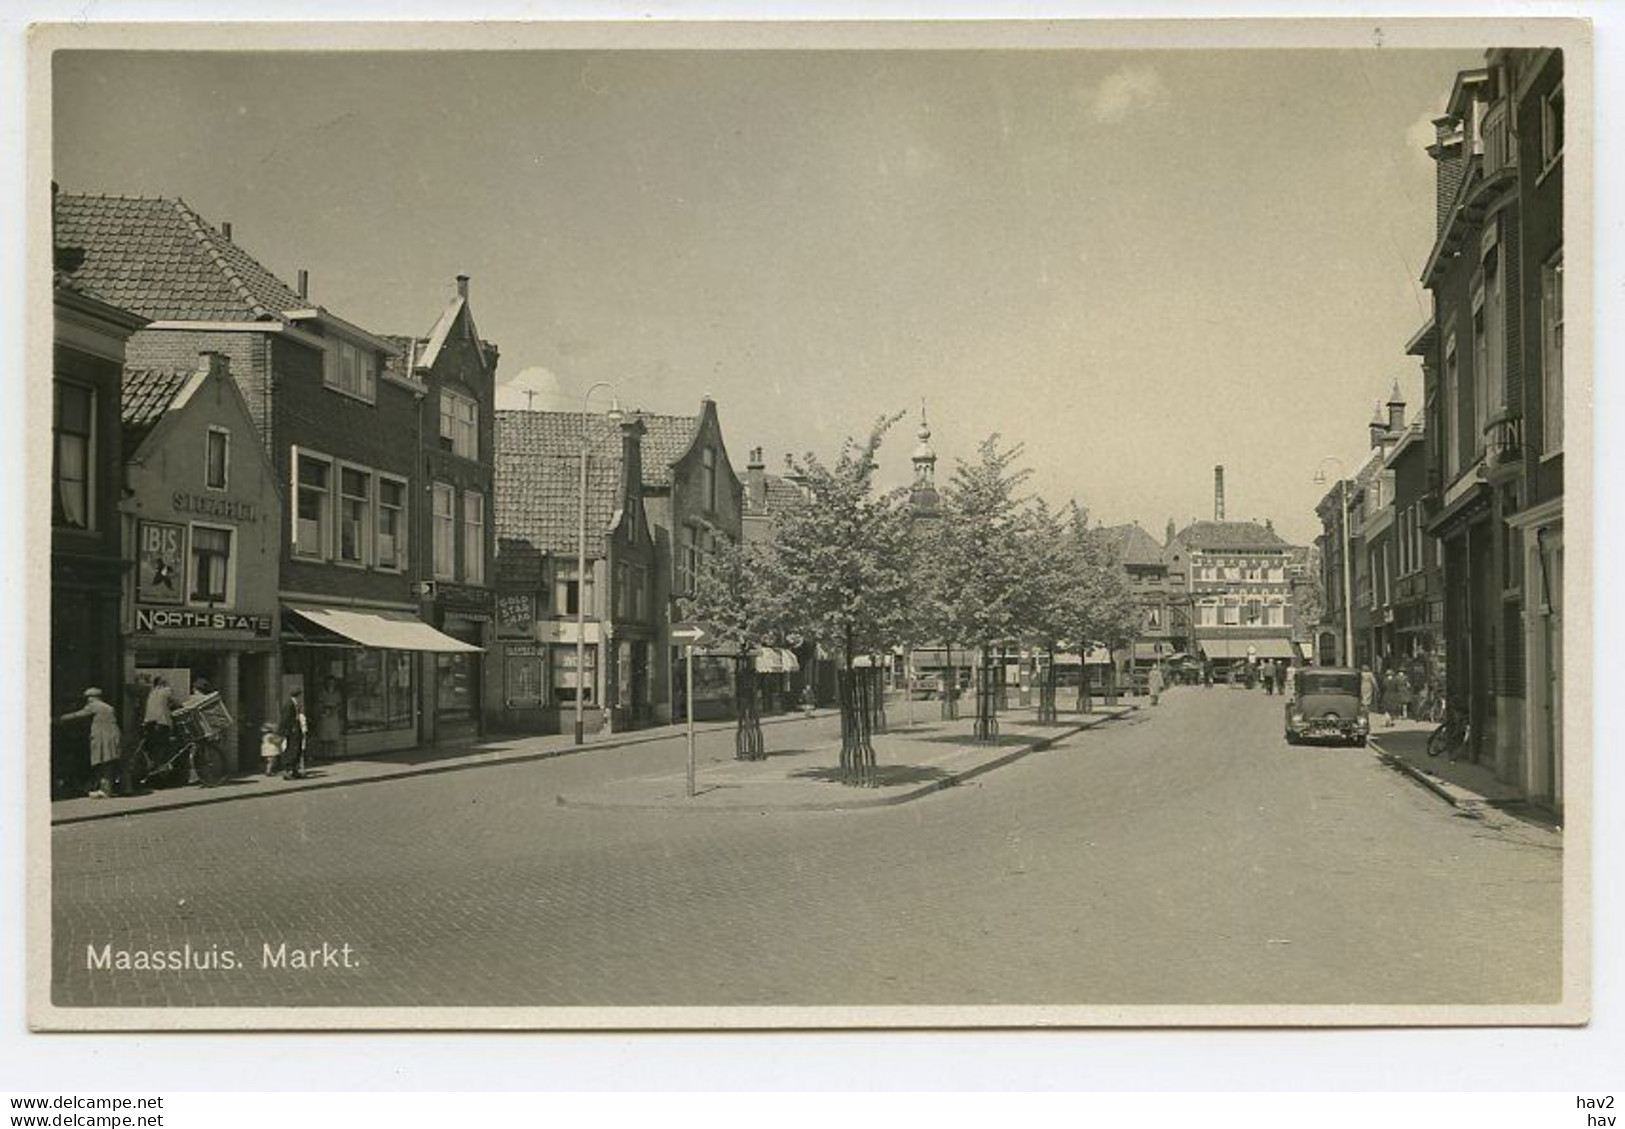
[
  {"x": 950, "y": 686},
  {"x": 1046, "y": 692},
  {"x": 857, "y": 749},
  {"x": 987, "y": 690},
  {"x": 748, "y": 745}
]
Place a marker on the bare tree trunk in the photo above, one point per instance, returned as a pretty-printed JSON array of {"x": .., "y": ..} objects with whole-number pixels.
[
  {"x": 950, "y": 686},
  {"x": 1085, "y": 705},
  {"x": 748, "y": 744},
  {"x": 1046, "y": 691},
  {"x": 987, "y": 691}
]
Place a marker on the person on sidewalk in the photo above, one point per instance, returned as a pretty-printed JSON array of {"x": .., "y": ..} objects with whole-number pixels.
[
  {"x": 1402, "y": 693},
  {"x": 1390, "y": 696},
  {"x": 106, "y": 754},
  {"x": 329, "y": 719},
  {"x": 1268, "y": 671},
  {"x": 270, "y": 747},
  {"x": 1154, "y": 683},
  {"x": 157, "y": 720},
  {"x": 292, "y": 731},
  {"x": 1368, "y": 688}
]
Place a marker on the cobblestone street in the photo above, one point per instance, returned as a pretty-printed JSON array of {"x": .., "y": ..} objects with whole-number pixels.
[{"x": 1181, "y": 855}]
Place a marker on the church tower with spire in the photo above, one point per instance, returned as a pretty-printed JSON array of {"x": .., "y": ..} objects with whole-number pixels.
[{"x": 923, "y": 494}]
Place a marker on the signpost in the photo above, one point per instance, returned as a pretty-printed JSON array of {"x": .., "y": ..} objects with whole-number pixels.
[{"x": 690, "y": 635}]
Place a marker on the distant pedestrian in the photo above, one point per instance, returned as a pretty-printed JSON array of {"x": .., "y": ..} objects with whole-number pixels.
[
  {"x": 329, "y": 719},
  {"x": 1390, "y": 696},
  {"x": 1207, "y": 675},
  {"x": 1268, "y": 672},
  {"x": 1154, "y": 683},
  {"x": 106, "y": 753},
  {"x": 1403, "y": 696},
  {"x": 1368, "y": 688},
  {"x": 292, "y": 730}
]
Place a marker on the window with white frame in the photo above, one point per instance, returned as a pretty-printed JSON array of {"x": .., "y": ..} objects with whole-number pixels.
[
  {"x": 209, "y": 567},
  {"x": 313, "y": 508},
  {"x": 460, "y": 423},
  {"x": 444, "y": 514},
  {"x": 389, "y": 545},
  {"x": 1481, "y": 366},
  {"x": 1551, "y": 352},
  {"x": 217, "y": 458},
  {"x": 351, "y": 368},
  {"x": 1551, "y": 127},
  {"x": 355, "y": 514},
  {"x": 473, "y": 537},
  {"x": 1230, "y": 614},
  {"x": 73, "y": 504}
]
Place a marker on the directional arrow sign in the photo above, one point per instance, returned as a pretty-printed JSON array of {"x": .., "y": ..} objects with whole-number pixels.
[{"x": 690, "y": 634}]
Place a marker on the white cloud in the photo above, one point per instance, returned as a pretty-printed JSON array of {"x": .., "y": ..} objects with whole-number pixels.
[
  {"x": 1420, "y": 135},
  {"x": 546, "y": 392},
  {"x": 1125, "y": 91}
]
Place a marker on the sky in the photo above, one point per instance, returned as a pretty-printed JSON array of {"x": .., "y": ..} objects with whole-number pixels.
[{"x": 1136, "y": 264}]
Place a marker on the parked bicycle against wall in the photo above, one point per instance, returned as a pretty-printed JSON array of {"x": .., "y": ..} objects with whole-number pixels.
[{"x": 1451, "y": 736}]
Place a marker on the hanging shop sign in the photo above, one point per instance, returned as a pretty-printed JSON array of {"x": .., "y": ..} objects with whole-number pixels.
[
  {"x": 159, "y": 621},
  {"x": 160, "y": 562}
]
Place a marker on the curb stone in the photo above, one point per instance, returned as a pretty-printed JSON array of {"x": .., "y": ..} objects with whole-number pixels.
[
  {"x": 951, "y": 780},
  {"x": 1456, "y": 798},
  {"x": 450, "y": 764}
]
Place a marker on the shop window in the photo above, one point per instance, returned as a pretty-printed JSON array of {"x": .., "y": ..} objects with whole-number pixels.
[
  {"x": 315, "y": 479},
  {"x": 391, "y": 541},
  {"x": 355, "y": 514},
  {"x": 73, "y": 503},
  {"x": 445, "y": 531},
  {"x": 217, "y": 458},
  {"x": 210, "y": 566},
  {"x": 351, "y": 368},
  {"x": 459, "y": 424},
  {"x": 564, "y": 673},
  {"x": 378, "y": 690},
  {"x": 473, "y": 537},
  {"x": 454, "y": 686}
]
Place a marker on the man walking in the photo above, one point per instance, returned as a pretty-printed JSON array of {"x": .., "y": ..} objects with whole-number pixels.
[
  {"x": 292, "y": 730},
  {"x": 157, "y": 720},
  {"x": 1154, "y": 683}
]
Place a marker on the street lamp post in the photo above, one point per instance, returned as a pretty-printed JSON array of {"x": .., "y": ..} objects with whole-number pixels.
[
  {"x": 581, "y": 557},
  {"x": 1343, "y": 525}
]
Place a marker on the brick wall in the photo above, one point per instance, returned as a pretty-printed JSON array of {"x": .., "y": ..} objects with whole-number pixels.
[
  {"x": 178, "y": 349},
  {"x": 381, "y": 435}
]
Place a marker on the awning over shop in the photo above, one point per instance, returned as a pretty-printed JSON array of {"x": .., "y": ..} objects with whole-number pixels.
[
  {"x": 776, "y": 660},
  {"x": 394, "y": 631},
  {"x": 1098, "y": 656},
  {"x": 1238, "y": 648}
]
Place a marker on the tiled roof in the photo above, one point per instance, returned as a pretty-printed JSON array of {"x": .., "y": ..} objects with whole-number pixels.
[
  {"x": 780, "y": 496},
  {"x": 147, "y": 395},
  {"x": 1134, "y": 545},
  {"x": 538, "y": 497},
  {"x": 1229, "y": 535},
  {"x": 158, "y": 258},
  {"x": 536, "y": 434}
]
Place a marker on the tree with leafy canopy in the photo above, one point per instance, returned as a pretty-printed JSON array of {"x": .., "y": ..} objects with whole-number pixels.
[
  {"x": 739, "y": 595},
  {"x": 841, "y": 562},
  {"x": 1098, "y": 606},
  {"x": 980, "y": 564},
  {"x": 1049, "y": 581}
]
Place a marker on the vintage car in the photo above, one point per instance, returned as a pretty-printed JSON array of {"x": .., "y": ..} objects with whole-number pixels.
[{"x": 1325, "y": 705}]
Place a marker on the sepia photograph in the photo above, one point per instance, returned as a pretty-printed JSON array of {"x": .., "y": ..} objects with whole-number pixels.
[{"x": 981, "y": 526}]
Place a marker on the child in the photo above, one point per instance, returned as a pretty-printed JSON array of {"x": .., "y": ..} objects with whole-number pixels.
[{"x": 270, "y": 747}]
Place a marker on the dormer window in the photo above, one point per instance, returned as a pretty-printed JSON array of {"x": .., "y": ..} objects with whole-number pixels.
[{"x": 352, "y": 369}]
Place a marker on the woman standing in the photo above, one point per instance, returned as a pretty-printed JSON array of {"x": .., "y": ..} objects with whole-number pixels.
[
  {"x": 104, "y": 743},
  {"x": 329, "y": 718}
]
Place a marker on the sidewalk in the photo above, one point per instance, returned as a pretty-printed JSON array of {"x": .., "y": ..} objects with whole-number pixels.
[
  {"x": 385, "y": 766},
  {"x": 910, "y": 762},
  {"x": 1462, "y": 784}
]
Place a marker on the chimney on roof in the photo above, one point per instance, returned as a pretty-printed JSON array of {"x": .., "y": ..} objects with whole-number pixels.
[
  {"x": 304, "y": 285},
  {"x": 462, "y": 287},
  {"x": 756, "y": 480},
  {"x": 632, "y": 429},
  {"x": 1168, "y": 533},
  {"x": 217, "y": 364},
  {"x": 225, "y": 231},
  {"x": 1378, "y": 426},
  {"x": 1218, "y": 493}
]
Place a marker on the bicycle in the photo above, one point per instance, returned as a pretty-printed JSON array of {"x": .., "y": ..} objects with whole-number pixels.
[
  {"x": 203, "y": 760},
  {"x": 1452, "y": 734}
]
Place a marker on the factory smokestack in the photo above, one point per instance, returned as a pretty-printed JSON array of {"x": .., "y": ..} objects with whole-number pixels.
[{"x": 1218, "y": 493}]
